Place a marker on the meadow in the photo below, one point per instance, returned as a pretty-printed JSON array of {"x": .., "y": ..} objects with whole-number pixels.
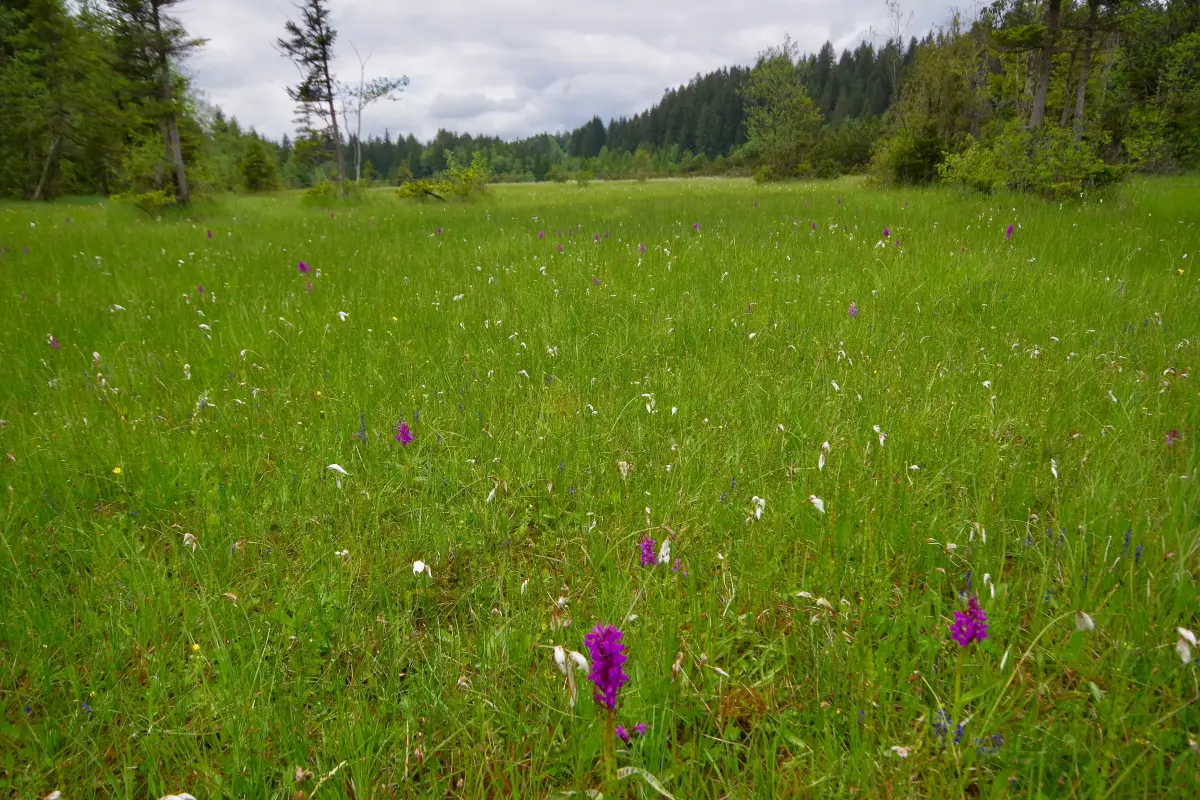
[{"x": 225, "y": 570}]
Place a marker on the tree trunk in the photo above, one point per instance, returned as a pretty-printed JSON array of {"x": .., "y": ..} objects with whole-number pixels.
[
  {"x": 1085, "y": 71},
  {"x": 47, "y": 167},
  {"x": 1045, "y": 61},
  {"x": 170, "y": 127},
  {"x": 1066, "y": 107},
  {"x": 182, "y": 193},
  {"x": 337, "y": 136}
]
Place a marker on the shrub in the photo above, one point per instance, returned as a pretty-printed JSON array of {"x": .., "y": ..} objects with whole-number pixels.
[{"x": 1048, "y": 162}]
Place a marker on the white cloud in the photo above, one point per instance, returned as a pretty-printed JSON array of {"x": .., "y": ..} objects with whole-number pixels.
[{"x": 513, "y": 67}]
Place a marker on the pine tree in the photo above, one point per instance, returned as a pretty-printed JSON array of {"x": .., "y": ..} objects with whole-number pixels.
[
  {"x": 148, "y": 42},
  {"x": 309, "y": 45}
]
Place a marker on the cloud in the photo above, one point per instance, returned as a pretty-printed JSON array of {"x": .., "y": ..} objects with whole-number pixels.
[{"x": 513, "y": 67}]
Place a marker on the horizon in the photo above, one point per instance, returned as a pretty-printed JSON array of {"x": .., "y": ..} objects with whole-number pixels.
[{"x": 495, "y": 73}]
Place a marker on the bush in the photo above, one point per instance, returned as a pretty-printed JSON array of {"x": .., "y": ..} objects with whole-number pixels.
[
  {"x": 907, "y": 159},
  {"x": 1048, "y": 162},
  {"x": 323, "y": 194},
  {"x": 584, "y": 178},
  {"x": 150, "y": 202}
]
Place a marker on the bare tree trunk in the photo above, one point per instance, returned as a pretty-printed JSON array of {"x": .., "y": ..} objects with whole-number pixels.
[
  {"x": 337, "y": 134},
  {"x": 51, "y": 159},
  {"x": 170, "y": 127},
  {"x": 1045, "y": 61},
  {"x": 183, "y": 193},
  {"x": 1085, "y": 71},
  {"x": 1066, "y": 107}
]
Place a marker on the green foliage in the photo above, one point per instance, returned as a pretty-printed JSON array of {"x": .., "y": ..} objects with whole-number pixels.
[
  {"x": 325, "y": 193},
  {"x": 150, "y": 201},
  {"x": 1047, "y": 162},
  {"x": 258, "y": 169},
  {"x": 906, "y": 158},
  {"x": 781, "y": 121},
  {"x": 422, "y": 189},
  {"x": 584, "y": 178}
]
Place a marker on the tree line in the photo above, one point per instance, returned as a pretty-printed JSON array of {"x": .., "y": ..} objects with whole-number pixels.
[{"x": 1050, "y": 95}]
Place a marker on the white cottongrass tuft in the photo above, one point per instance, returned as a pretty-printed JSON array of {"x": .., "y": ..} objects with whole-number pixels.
[
  {"x": 420, "y": 566},
  {"x": 664, "y": 552},
  {"x": 760, "y": 504},
  {"x": 817, "y": 502}
]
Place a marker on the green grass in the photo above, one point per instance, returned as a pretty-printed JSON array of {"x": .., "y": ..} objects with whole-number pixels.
[{"x": 125, "y": 671}]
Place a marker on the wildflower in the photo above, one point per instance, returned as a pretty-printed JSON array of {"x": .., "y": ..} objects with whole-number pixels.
[
  {"x": 852, "y": 311},
  {"x": 1054, "y": 468},
  {"x": 420, "y": 566},
  {"x": 901, "y": 752},
  {"x": 1083, "y": 622},
  {"x": 642, "y": 247},
  {"x": 1187, "y": 640},
  {"x": 622, "y": 734},
  {"x": 679, "y": 567},
  {"x": 596, "y": 238},
  {"x": 541, "y": 234},
  {"x": 664, "y": 552},
  {"x": 595, "y": 281},
  {"x": 882, "y": 436},
  {"x": 302, "y": 267},
  {"x": 696, "y": 226},
  {"x": 1172, "y": 437},
  {"x": 338, "y": 469},
  {"x": 52, "y": 340},
  {"x": 209, "y": 234},
  {"x": 760, "y": 504},
  {"x": 195, "y": 647},
  {"x": 814, "y": 227},
  {"x": 439, "y": 230},
  {"x": 970, "y": 625},
  {"x": 817, "y": 502},
  {"x": 1008, "y": 233},
  {"x": 199, "y": 288},
  {"x": 608, "y": 655},
  {"x": 821, "y": 457},
  {"x": 308, "y": 286},
  {"x": 647, "y": 556},
  {"x": 886, "y": 233},
  {"x": 342, "y": 315},
  {"x": 640, "y": 729},
  {"x": 116, "y": 470},
  {"x": 404, "y": 434},
  {"x": 189, "y": 540}
]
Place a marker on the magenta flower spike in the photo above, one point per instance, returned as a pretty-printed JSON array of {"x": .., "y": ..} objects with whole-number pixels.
[
  {"x": 852, "y": 311},
  {"x": 308, "y": 286},
  {"x": 302, "y": 267},
  {"x": 439, "y": 230},
  {"x": 608, "y": 656},
  {"x": 560, "y": 249},
  {"x": 970, "y": 625},
  {"x": 541, "y": 234},
  {"x": 210, "y": 234},
  {"x": 1008, "y": 233},
  {"x": 695, "y": 226},
  {"x": 647, "y": 557},
  {"x": 640, "y": 729},
  {"x": 199, "y": 288},
  {"x": 622, "y": 734},
  {"x": 404, "y": 434},
  {"x": 642, "y": 247},
  {"x": 886, "y": 233}
]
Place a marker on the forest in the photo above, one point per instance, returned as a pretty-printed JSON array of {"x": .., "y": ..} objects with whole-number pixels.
[{"x": 1048, "y": 95}]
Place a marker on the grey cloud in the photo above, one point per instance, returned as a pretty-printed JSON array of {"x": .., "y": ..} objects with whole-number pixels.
[{"x": 514, "y": 67}]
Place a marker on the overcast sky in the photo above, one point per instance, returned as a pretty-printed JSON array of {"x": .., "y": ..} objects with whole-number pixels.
[{"x": 513, "y": 68}]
